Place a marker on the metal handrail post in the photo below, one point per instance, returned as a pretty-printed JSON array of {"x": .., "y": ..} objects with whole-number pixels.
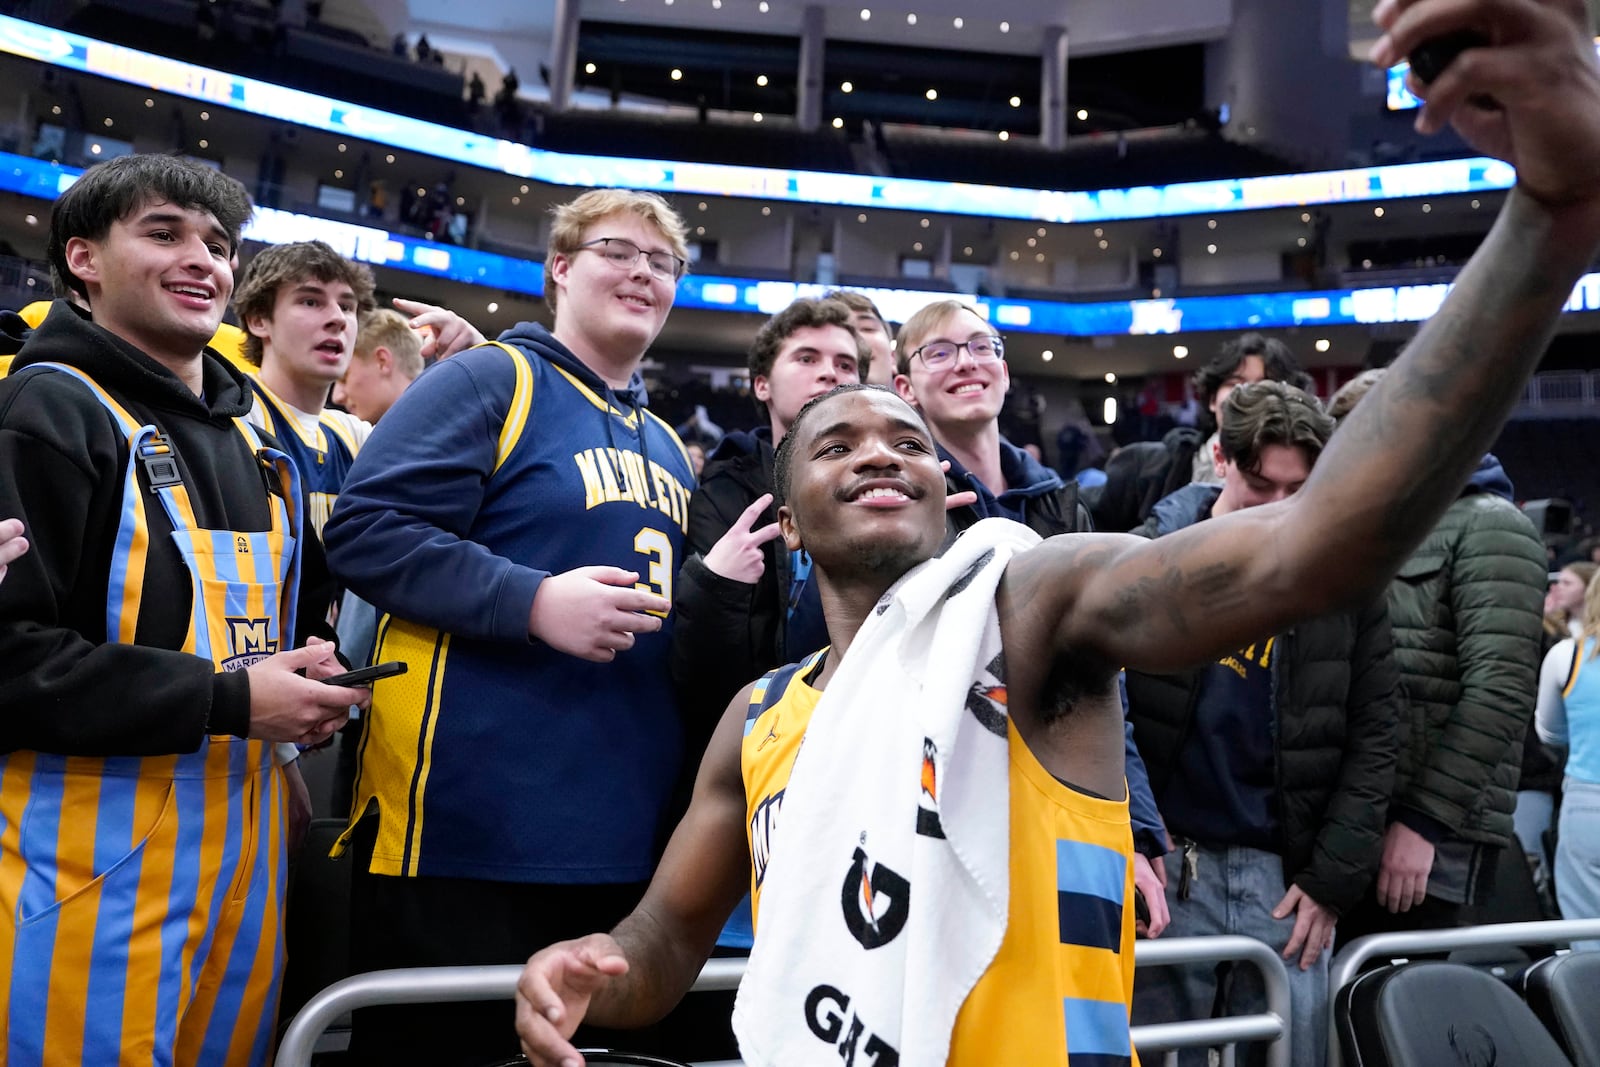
[
  {"x": 1347, "y": 964},
  {"x": 1273, "y": 1025}
]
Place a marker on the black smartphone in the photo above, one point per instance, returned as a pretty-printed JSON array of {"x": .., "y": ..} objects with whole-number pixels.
[{"x": 367, "y": 675}]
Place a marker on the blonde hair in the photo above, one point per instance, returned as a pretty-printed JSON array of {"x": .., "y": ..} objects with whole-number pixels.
[
  {"x": 1351, "y": 393},
  {"x": 920, "y": 325},
  {"x": 389, "y": 329},
  {"x": 575, "y": 216},
  {"x": 1591, "y": 613}
]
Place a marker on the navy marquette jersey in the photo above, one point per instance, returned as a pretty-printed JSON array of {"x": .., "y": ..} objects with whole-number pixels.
[
  {"x": 497, "y": 757},
  {"x": 323, "y": 447}
]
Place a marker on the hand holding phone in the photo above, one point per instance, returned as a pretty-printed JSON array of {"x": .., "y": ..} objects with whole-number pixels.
[{"x": 367, "y": 675}]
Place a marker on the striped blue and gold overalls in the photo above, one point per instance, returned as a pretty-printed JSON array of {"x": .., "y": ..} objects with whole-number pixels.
[{"x": 141, "y": 898}]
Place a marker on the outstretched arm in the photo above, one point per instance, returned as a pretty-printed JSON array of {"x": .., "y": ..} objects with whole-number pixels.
[
  {"x": 636, "y": 974},
  {"x": 1404, "y": 453}
]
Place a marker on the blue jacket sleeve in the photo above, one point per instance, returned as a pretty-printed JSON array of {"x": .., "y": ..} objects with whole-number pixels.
[
  {"x": 398, "y": 535},
  {"x": 1149, "y": 832}
]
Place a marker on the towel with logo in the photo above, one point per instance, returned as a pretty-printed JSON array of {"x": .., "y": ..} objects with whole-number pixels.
[{"x": 887, "y": 894}]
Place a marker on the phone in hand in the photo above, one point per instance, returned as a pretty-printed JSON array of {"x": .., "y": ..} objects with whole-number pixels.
[{"x": 367, "y": 675}]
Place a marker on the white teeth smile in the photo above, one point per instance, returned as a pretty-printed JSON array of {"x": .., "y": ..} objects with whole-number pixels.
[
  {"x": 970, "y": 387},
  {"x": 882, "y": 494},
  {"x": 636, "y": 300},
  {"x": 186, "y": 291}
]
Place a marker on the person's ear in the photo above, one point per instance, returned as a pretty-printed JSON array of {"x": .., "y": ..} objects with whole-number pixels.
[
  {"x": 83, "y": 259},
  {"x": 788, "y": 530},
  {"x": 761, "y": 387},
  {"x": 259, "y": 325},
  {"x": 902, "y": 385},
  {"x": 1218, "y": 464}
]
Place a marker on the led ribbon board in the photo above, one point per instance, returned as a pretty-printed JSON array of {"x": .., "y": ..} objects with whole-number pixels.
[
  {"x": 71, "y": 51},
  {"x": 379, "y": 247}
]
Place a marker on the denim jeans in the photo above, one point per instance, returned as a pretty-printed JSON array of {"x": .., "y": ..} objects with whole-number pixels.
[
  {"x": 1234, "y": 892},
  {"x": 1578, "y": 855},
  {"x": 1534, "y": 814}
]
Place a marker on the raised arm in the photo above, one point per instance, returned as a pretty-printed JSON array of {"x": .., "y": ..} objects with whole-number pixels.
[
  {"x": 635, "y": 975},
  {"x": 1405, "y": 452}
]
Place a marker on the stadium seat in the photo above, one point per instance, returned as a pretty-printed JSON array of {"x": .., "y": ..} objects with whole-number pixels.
[
  {"x": 1561, "y": 991},
  {"x": 1429, "y": 1013}
]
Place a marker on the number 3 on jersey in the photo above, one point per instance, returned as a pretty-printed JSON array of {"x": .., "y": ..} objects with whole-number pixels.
[{"x": 658, "y": 579}]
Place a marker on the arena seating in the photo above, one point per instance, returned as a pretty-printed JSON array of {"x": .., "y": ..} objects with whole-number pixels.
[{"x": 1428, "y": 1013}]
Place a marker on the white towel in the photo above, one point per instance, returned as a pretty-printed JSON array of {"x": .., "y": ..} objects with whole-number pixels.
[{"x": 887, "y": 894}]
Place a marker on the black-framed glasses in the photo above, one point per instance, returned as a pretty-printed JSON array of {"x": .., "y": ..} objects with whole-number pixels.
[
  {"x": 986, "y": 349},
  {"x": 622, "y": 254}
]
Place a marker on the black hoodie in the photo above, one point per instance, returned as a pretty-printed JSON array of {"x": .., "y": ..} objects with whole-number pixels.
[{"x": 63, "y": 687}]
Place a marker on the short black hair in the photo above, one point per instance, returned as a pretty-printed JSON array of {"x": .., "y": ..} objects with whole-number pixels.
[
  {"x": 783, "y": 462},
  {"x": 111, "y": 191}
]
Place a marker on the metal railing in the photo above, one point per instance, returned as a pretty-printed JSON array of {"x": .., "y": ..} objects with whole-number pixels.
[
  {"x": 420, "y": 985},
  {"x": 1271, "y": 1025},
  {"x": 1348, "y": 963}
]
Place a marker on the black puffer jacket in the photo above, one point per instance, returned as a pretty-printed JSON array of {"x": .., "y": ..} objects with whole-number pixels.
[
  {"x": 727, "y": 633},
  {"x": 1335, "y": 687},
  {"x": 1141, "y": 474},
  {"x": 1466, "y": 611}
]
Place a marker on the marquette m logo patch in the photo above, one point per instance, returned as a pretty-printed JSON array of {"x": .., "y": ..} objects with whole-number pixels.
[
  {"x": 249, "y": 641},
  {"x": 876, "y": 902}
]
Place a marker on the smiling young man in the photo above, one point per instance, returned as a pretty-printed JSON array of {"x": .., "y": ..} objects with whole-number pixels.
[
  {"x": 519, "y": 514},
  {"x": 1067, "y": 614},
  {"x": 148, "y": 646},
  {"x": 951, "y": 366}
]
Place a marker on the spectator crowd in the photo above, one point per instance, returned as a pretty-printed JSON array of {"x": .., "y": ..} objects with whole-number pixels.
[{"x": 1298, "y": 671}]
